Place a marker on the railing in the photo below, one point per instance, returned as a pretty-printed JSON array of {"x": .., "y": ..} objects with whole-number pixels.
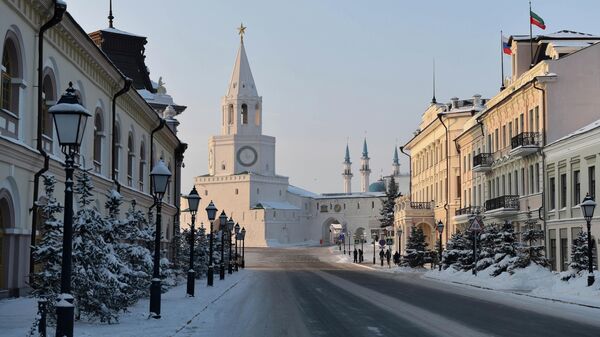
[
  {"x": 483, "y": 159},
  {"x": 505, "y": 201},
  {"x": 468, "y": 210},
  {"x": 420, "y": 205},
  {"x": 526, "y": 139}
]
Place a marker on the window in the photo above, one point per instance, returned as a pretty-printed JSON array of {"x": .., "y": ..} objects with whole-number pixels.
[
  {"x": 537, "y": 119},
  {"x": 503, "y": 136},
  {"x": 510, "y": 131},
  {"x": 516, "y": 182},
  {"x": 98, "y": 135},
  {"x": 117, "y": 150},
  {"x": 576, "y": 188},
  {"x": 496, "y": 140},
  {"x": 257, "y": 114},
  {"x": 563, "y": 190},
  {"x": 531, "y": 179},
  {"x": 130, "y": 156},
  {"x": 142, "y": 168},
  {"x": 522, "y": 123},
  {"x": 531, "y": 120},
  {"x": 592, "y": 181},
  {"x": 237, "y": 191},
  {"x": 523, "y": 181},
  {"x": 10, "y": 81},
  {"x": 244, "y": 114},
  {"x": 552, "y": 195},
  {"x": 537, "y": 177},
  {"x": 372, "y": 204},
  {"x": 503, "y": 184},
  {"x": 49, "y": 97},
  {"x": 509, "y": 183},
  {"x": 230, "y": 114},
  {"x": 458, "y": 185}
]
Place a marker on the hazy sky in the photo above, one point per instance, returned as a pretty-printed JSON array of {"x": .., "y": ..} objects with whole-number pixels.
[{"x": 327, "y": 70}]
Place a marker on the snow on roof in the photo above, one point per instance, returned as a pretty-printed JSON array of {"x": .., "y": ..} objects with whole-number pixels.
[
  {"x": 582, "y": 130},
  {"x": 278, "y": 205},
  {"x": 118, "y": 31},
  {"x": 351, "y": 195},
  {"x": 301, "y": 192}
]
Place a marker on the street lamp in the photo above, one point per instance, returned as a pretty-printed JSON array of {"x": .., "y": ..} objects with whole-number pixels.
[
  {"x": 159, "y": 180},
  {"x": 400, "y": 243},
  {"x": 211, "y": 212},
  {"x": 375, "y": 238},
  {"x": 222, "y": 228},
  {"x": 362, "y": 241},
  {"x": 587, "y": 209},
  {"x": 237, "y": 237},
  {"x": 70, "y": 118},
  {"x": 243, "y": 232},
  {"x": 193, "y": 201},
  {"x": 440, "y": 229},
  {"x": 230, "y": 225}
]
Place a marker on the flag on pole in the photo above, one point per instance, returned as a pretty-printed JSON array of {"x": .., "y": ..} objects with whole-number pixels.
[
  {"x": 505, "y": 46},
  {"x": 536, "y": 20}
]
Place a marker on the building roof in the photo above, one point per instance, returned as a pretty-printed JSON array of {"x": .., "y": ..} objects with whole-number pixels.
[
  {"x": 347, "y": 157},
  {"x": 242, "y": 82},
  {"x": 378, "y": 186},
  {"x": 276, "y": 205},
  {"x": 365, "y": 152},
  {"x": 396, "y": 160},
  {"x": 587, "y": 128},
  {"x": 301, "y": 192}
]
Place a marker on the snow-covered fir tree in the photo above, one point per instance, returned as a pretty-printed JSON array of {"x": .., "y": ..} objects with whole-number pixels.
[
  {"x": 533, "y": 250},
  {"x": 200, "y": 251},
  {"x": 47, "y": 254},
  {"x": 579, "y": 256},
  {"x": 457, "y": 247},
  {"x": 506, "y": 248},
  {"x": 487, "y": 247},
  {"x": 415, "y": 248},
  {"x": 97, "y": 284},
  {"x": 386, "y": 213}
]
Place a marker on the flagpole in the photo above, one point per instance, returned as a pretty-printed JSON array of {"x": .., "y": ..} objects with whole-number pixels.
[
  {"x": 530, "y": 37},
  {"x": 501, "y": 62}
]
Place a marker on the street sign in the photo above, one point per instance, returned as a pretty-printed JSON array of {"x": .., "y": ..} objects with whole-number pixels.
[
  {"x": 356, "y": 241},
  {"x": 341, "y": 236},
  {"x": 382, "y": 242},
  {"x": 476, "y": 225},
  {"x": 389, "y": 241}
]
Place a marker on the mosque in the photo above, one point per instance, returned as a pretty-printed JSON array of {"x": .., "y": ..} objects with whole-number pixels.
[{"x": 242, "y": 179}]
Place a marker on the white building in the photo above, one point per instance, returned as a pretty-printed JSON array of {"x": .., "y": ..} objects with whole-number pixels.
[
  {"x": 242, "y": 179},
  {"x": 572, "y": 165}
]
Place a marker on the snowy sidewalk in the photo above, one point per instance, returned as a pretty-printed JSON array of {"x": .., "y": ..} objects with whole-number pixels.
[
  {"x": 177, "y": 311},
  {"x": 338, "y": 256}
]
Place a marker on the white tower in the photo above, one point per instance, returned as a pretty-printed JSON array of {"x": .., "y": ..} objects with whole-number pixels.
[
  {"x": 396, "y": 165},
  {"x": 241, "y": 146},
  {"x": 347, "y": 174},
  {"x": 365, "y": 171}
]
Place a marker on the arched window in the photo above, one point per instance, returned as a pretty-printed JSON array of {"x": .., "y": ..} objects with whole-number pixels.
[
  {"x": 130, "y": 156},
  {"x": 230, "y": 114},
  {"x": 10, "y": 81},
  {"x": 142, "y": 168},
  {"x": 244, "y": 114},
  {"x": 49, "y": 97},
  {"x": 98, "y": 135},
  {"x": 117, "y": 150},
  {"x": 257, "y": 114}
]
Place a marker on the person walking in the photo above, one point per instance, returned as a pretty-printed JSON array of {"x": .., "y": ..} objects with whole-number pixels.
[
  {"x": 396, "y": 258},
  {"x": 360, "y": 255},
  {"x": 388, "y": 257},
  {"x": 381, "y": 255},
  {"x": 355, "y": 253}
]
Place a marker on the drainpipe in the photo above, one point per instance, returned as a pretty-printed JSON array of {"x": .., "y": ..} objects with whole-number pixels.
[
  {"x": 160, "y": 126},
  {"x": 60, "y": 7},
  {"x": 126, "y": 87},
  {"x": 410, "y": 172},
  {"x": 446, "y": 207},
  {"x": 178, "y": 155},
  {"x": 543, "y": 217},
  {"x": 460, "y": 169}
]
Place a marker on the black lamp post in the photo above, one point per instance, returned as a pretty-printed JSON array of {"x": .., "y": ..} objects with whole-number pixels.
[
  {"x": 222, "y": 228},
  {"x": 230, "y": 225},
  {"x": 243, "y": 232},
  {"x": 349, "y": 242},
  {"x": 159, "y": 180},
  {"x": 237, "y": 236},
  {"x": 211, "y": 212},
  {"x": 193, "y": 201},
  {"x": 440, "y": 229},
  {"x": 70, "y": 118},
  {"x": 375, "y": 238},
  {"x": 587, "y": 210},
  {"x": 362, "y": 247}
]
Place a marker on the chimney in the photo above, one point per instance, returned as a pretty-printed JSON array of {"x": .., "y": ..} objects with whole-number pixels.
[
  {"x": 454, "y": 102},
  {"x": 476, "y": 100}
]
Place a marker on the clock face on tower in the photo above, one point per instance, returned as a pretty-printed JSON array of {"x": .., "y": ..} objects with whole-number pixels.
[{"x": 247, "y": 156}]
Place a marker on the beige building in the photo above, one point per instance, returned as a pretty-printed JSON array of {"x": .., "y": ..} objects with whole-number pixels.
[
  {"x": 71, "y": 55},
  {"x": 572, "y": 165},
  {"x": 435, "y": 169}
]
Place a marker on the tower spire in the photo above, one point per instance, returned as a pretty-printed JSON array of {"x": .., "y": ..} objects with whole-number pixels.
[
  {"x": 433, "y": 100},
  {"x": 241, "y": 30},
  {"x": 110, "y": 15},
  {"x": 347, "y": 173},
  {"x": 396, "y": 164},
  {"x": 365, "y": 170}
]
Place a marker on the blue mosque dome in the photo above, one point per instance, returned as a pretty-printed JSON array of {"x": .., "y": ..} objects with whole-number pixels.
[{"x": 378, "y": 186}]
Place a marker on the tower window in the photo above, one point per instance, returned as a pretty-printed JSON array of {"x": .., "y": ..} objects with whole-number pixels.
[
  {"x": 230, "y": 114},
  {"x": 257, "y": 114},
  {"x": 244, "y": 114}
]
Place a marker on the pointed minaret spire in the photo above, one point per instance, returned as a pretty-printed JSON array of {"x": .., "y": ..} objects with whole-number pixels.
[
  {"x": 365, "y": 170},
  {"x": 242, "y": 82},
  {"x": 433, "y": 100},
  {"x": 347, "y": 174},
  {"x": 110, "y": 15},
  {"x": 396, "y": 164}
]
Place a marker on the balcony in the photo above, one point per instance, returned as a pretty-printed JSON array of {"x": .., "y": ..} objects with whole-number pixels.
[
  {"x": 504, "y": 206},
  {"x": 420, "y": 205},
  {"x": 525, "y": 143},
  {"x": 462, "y": 215},
  {"x": 483, "y": 162}
]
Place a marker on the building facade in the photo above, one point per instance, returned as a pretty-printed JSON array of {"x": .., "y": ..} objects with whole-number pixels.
[{"x": 124, "y": 161}]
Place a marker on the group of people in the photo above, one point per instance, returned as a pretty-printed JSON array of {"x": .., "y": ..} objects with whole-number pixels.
[
  {"x": 358, "y": 255},
  {"x": 388, "y": 256}
]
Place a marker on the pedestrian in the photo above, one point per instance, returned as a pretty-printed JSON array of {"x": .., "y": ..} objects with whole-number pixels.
[
  {"x": 388, "y": 257},
  {"x": 360, "y": 256},
  {"x": 381, "y": 255},
  {"x": 355, "y": 255}
]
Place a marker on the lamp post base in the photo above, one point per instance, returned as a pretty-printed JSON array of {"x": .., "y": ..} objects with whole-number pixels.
[
  {"x": 591, "y": 280},
  {"x": 191, "y": 280},
  {"x": 64, "y": 315},
  {"x": 209, "y": 276},
  {"x": 155, "y": 298},
  {"x": 222, "y": 272}
]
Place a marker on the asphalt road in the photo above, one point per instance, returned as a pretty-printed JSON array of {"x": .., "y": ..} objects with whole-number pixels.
[{"x": 295, "y": 293}]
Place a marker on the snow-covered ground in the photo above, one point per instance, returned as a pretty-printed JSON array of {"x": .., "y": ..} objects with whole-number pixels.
[
  {"x": 338, "y": 256},
  {"x": 277, "y": 244},
  {"x": 177, "y": 310}
]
